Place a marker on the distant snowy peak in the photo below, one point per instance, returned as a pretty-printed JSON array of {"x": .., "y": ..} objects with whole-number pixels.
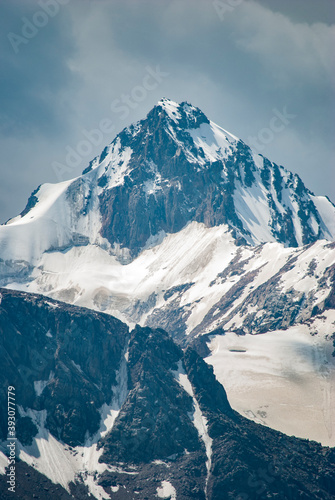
[
  {"x": 158, "y": 175},
  {"x": 200, "y": 140},
  {"x": 177, "y": 166}
]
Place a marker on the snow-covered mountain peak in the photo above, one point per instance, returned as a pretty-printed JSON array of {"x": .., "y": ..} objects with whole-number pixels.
[
  {"x": 158, "y": 175},
  {"x": 171, "y": 108},
  {"x": 184, "y": 115}
]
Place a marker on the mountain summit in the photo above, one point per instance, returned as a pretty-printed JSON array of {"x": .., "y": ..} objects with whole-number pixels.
[{"x": 158, "y": 175}]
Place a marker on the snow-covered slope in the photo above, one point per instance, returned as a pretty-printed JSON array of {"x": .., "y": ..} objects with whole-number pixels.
[
  {"x": 199, "y": 276},
  {"x": 282, "y": 379}
]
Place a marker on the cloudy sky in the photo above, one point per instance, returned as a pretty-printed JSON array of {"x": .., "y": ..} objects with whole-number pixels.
[{"x": 262, "y": 69}]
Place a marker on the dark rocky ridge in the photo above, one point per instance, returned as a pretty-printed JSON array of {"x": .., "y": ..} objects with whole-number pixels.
[
  {"x": 156, "y": 403},
  {"x": 153, "y": 438},
  {"x": 75, "y": 349}
]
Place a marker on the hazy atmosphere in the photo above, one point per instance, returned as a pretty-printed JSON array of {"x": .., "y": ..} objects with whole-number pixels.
[{"x": 74, "y": 73}]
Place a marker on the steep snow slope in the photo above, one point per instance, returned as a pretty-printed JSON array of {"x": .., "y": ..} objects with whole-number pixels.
[{"x": 198, "y": 276}]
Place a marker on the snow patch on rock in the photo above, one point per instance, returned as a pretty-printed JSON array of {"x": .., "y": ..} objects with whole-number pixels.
[
  {"x": 166, "y": 490},
  {"x": 199, "y": 420}
]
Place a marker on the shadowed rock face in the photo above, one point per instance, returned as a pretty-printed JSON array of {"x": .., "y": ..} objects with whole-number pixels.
[
  {"x": 155, "y": 436},
  {"x": 154, "y": 422},
  {"x": 73, "y": 353},
  {"x": 131, "y": 213}
]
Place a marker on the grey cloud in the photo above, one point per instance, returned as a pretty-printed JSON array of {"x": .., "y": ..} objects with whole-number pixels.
[
  {"x": 308, "y": 11},
  {"x": 263, "y": 55},
  {"x": 36, "y": 79}
]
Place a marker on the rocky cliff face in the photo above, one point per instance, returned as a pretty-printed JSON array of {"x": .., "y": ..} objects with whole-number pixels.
[
  {"x": 167, "y": 428},
  {"x": 181, "y": 167},
  {"x": 62, "y": 360}
]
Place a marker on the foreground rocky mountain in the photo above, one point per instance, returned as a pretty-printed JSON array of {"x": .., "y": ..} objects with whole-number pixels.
[{"x": 107, "y": 413}]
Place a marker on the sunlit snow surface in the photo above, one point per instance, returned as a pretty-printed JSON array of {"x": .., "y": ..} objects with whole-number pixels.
[
  {"x": 282, "y": 379},
  {"x": 166, "y": 490},
  {"x": 91, "y": 277}
]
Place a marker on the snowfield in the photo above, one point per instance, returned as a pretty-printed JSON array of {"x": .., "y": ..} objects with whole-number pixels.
[{"x": 282, "y": 379}]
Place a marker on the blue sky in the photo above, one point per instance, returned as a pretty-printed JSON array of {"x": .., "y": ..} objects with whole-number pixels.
[{"x": 70, "y": 66}]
